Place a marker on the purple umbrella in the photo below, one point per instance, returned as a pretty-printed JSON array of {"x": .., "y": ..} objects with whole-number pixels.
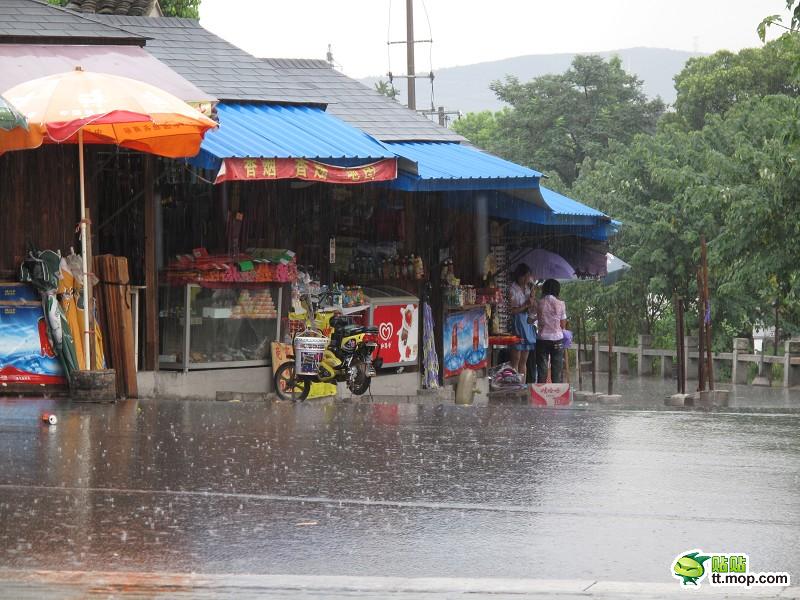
[{"x": 545, "y": 264}]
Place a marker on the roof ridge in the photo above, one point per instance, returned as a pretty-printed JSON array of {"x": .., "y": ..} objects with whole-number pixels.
[
  {"x": 84, "y": 16},
  {"x": 160, "y": 22},
  {"x": 298, "y": 63}
]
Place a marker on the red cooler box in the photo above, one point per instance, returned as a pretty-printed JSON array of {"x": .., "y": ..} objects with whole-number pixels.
[
  {"x": 550, "y": 394},
  {"x": 396, "y": 314}
]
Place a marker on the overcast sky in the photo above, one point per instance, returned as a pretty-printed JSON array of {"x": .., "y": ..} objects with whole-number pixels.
[{"x": 470, "y": 31}]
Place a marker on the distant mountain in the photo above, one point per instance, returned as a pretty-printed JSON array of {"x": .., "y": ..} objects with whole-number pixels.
[{"x": 466, "y": 88}]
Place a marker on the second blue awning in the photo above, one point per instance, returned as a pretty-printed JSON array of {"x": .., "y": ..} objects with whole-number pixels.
[
  {"x": 558, "y": 213},
  {"x": 448, "y": 166}
]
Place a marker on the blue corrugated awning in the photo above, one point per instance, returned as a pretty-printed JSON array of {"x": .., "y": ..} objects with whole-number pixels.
[
  {"x": 249, "y": 130},
  {"x": 448, "y": 166},
  {"x": 561, "y": 205},
  {"x": 561, "y": 214}
]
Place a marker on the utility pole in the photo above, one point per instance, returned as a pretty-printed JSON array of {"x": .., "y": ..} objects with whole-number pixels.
[{"x": 410, "y": 71}]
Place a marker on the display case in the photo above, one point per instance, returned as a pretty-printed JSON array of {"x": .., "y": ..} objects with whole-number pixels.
[{"x": 218, "y": 327}]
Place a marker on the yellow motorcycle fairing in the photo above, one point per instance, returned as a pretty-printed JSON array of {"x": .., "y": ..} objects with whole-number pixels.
[{"x": 328, "y": 366}]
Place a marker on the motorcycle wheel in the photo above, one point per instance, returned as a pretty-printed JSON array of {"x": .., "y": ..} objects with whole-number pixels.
[
  {"x": 361, "y": 383},
  {"x": 288, "y": 386}
]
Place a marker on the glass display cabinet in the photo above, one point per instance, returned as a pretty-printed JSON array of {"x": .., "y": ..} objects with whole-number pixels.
[{"x": 218, "y": 327}]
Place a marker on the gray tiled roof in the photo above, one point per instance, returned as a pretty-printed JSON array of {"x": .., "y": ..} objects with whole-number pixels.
[
  {"x": 208, "y": 61},
  {"x": 35, "y": 21},
  {"x": 361, "y": 106},
  {"x": 229, "y": 73},
  {"x": 113, "y": 7}
]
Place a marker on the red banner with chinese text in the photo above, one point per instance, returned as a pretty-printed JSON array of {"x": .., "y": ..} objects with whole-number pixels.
[{"x": 259, "y": 169}]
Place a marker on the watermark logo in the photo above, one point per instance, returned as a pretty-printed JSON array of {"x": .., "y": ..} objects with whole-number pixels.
[
  {"x": 722, "y": 569},
  {"x": 689, "y": 568}
]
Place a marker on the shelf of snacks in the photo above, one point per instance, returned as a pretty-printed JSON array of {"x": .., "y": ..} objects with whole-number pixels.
[{"x": 254, "y": 267}]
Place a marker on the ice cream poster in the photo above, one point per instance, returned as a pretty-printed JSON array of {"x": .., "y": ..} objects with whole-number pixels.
[
  {"x": 26, "y": 356},
  {"x": 397, "y": 325},
  {"x": 466, "y": 342}
]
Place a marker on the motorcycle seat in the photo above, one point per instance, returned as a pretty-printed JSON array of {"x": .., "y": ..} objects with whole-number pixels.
[
  {"x": 356, "y": 329},
  {"x": 338, "y": 322}
]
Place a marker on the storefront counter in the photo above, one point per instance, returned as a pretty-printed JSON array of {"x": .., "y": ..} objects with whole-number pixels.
[{"x": 228, "y": 326}]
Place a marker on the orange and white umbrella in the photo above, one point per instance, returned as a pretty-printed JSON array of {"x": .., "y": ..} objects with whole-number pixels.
[{"x": 94, "y": 108}]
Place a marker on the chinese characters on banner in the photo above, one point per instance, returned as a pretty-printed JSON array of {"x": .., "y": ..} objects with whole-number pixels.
[{"x": 254, "y": 169}]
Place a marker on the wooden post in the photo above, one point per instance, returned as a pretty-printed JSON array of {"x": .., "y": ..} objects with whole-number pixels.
[
  {"x": 594, "y": 363},
  {"x": 707, "y": 315},
  {"x": 150, "y": 268},
  {"x": 701, "y": 329},
  {"x": 578, "y": 351},
  {"x": 678, "y": 335},
  {"x": 610, "y": 355},
  {"x": 90, "y": 295},
  {"x": 682, "y": 344}
]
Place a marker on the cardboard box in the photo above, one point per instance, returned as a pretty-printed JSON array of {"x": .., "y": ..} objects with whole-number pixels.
[{"x": 550, "y": 394}]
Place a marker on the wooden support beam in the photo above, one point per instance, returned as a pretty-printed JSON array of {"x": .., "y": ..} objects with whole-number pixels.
[{"x": 150, "y": 267}]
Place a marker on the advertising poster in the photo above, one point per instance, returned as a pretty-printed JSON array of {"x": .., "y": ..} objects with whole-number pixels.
[
  {"x": 26, "y": 356},
  {"x": 466, "y": 342},
  {"x": 398, "y": 332}
]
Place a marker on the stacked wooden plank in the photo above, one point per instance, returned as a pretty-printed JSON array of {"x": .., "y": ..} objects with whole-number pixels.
[{"x": 116, "y": 320}]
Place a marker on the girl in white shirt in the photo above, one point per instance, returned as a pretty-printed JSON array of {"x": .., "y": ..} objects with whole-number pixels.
[{"x": 522, "y": 302}]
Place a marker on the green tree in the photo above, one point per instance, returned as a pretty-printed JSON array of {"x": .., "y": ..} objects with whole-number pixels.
[
  {"x": 778, "y": 20},
  {"x": 555, "y": 122},
  {"x": 387, "y": 89},
  {"x": 713, "y": 84},
  {"x": 734, "y": 182},
  {"x": 189, "y": 9},
  {"x": 481, "y": 129},
  {"x": 171, "y": 8}
]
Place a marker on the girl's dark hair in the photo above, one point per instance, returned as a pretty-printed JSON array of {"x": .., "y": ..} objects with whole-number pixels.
[
  {"x": 520, "y": 271},
  {"x": 551, "y": 287}
]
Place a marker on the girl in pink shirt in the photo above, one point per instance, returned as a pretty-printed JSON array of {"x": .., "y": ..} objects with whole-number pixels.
[{"x": 552, "y": 314}]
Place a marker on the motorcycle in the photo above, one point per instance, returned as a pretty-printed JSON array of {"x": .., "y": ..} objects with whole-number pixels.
[{"x": 349, "y": 356}]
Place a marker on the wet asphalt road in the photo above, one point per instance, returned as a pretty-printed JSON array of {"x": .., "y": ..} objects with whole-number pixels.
[{"x": 399, "y": 490}]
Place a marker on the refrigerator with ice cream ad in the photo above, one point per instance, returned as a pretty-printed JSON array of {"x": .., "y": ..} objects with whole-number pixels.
[{"x": 395, "y": 313}]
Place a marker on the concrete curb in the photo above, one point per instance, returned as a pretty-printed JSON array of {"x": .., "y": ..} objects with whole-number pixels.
[{"x": 252, "y": 585}]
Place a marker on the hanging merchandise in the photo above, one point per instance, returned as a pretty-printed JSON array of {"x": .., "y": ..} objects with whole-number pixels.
[
  {"x": 430, "y": 358},
  {"x": 69, "y": 294},
  {"x": 71, "y": 299},
  {"x": 501, "y": 317},
  {"x": 419, "y": 269}
]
